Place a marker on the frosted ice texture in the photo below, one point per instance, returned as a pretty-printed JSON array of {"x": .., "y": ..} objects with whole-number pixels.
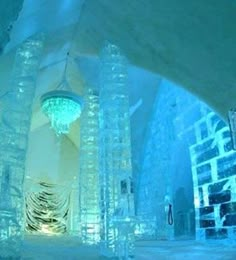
[
  {"x": 14, "y": 128},
  {"x": 117, "y": 201},
  {"x": 89, "y": 210},
  {"x": 171, "y": 127},
  {"x": 154, "y": 187}
]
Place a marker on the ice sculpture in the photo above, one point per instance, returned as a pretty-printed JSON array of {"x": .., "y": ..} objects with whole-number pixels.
[
  {"x": 14, "y": 128},
  {"x": 117, "y": 201},
  {"x": 47, "y": 208},
  {"x": 89, "y": 170}
]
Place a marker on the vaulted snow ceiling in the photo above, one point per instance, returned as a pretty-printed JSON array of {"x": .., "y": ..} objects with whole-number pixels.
[{"x": 192, "y": 43}]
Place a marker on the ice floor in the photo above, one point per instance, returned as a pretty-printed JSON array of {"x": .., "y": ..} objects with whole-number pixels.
[{"x": 67, "y": 248}]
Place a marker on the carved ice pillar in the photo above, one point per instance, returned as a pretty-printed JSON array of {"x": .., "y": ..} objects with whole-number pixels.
[
  {"x": 14, "y": 129},
  {"x": 117, "y": 200},
  {"x": 89, "y": 210}
]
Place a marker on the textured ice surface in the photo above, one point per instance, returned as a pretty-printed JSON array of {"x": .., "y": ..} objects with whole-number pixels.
[
  {"x": 184, "y": 134},
  {"x": 14, "y": 127},
  {"x": 117, "y": 201},
  {"x": 48, "y": 248}
]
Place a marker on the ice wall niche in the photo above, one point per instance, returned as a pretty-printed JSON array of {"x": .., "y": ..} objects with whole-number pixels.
[
  {"x": 116, "y": 184},
  {"x": 14, "y": 129}
]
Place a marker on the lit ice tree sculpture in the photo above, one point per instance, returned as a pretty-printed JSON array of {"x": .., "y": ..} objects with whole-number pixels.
[
  {"x": 14, "y": 129},
  {"x": 117, "y": 201}
]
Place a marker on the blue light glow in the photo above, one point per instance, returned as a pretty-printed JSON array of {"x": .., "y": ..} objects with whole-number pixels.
[{"x": 62, "y": 108}]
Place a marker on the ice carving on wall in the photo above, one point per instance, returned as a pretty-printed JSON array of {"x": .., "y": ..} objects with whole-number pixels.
[
  {"x": 14, "y": 128},
  {"x": 116, "y": 184}
]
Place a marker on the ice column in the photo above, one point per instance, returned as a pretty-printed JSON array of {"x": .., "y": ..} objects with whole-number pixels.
[
  {"x": 89, "y": 170},
  {"x": 117, "y": 201},
  {"x": 15, "y": 123}
]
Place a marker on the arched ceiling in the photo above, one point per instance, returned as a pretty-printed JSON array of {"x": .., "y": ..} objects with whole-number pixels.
[
  {"x": 9, "y": 13},
  {"x": 189, "y": 42}
]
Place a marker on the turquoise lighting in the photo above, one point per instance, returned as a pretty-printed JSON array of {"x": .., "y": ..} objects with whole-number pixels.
[{"x": 62, "y": 108}]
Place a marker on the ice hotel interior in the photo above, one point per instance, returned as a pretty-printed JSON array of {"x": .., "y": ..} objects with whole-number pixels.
[{"x": 118, "y": 129}]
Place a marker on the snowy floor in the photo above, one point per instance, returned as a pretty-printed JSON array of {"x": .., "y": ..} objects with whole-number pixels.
[{"x": 67, "y": 248}]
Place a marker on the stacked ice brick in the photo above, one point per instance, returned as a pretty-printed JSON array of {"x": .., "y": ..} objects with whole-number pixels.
[
  {"x": 14, "y": 129},
  {"x": 213, "y": 167},
  {"x": 117, "y": 209},
  {"x": 89, "y": 169},
  {"x": 214, "y": 177}
]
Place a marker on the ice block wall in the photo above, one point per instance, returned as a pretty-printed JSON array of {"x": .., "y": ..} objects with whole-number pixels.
[
  {"x": 117, "y": 201},
  {"x": 188, "y": 111},
  {"x": 214, "y": 177},
  {"x": 154, "y": 188},
  {"x": 14, "y": 129},
  {"x": 89, "y": 210},
  {"x": 186, "y": 139}
]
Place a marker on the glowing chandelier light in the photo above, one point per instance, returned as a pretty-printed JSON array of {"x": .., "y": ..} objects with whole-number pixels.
[{"x": 61, "y": 106}]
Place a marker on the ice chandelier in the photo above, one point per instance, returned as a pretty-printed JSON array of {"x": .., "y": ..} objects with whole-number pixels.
[{"x": 61, "y": 106}]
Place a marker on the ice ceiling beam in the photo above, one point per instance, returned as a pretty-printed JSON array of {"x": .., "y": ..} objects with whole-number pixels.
[{"x": 189, "y": 42}]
